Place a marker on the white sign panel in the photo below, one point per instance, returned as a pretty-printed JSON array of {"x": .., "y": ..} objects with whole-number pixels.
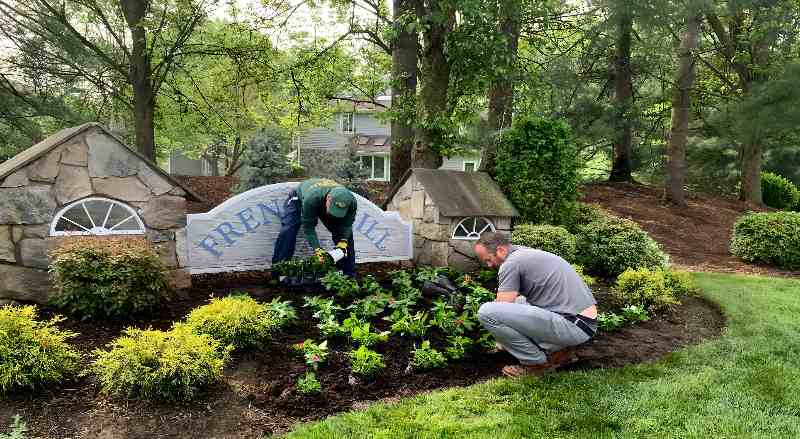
[{"x": 240, "y": 233}]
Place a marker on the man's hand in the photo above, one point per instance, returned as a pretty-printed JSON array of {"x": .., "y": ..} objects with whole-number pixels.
[
  {"x": 506, "y": 296},
  {"x": 342, "y": 245}
]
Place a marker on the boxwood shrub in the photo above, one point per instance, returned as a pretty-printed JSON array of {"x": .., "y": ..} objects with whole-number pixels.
[
  {"x": 237, "y": 320},
  {"x": 33, "y": 353},
  {"x": 655, "y": 290},
  {"x": 160, "y": 365},
  {"x": 585, "y": 213},
  {"x": 107, "y": 277},
  {"x": 771, "y": 237},
  {"x": 551, "y": 239},
  {"x": 778, "y": 191},
  {"x": 609, "y": 246}
]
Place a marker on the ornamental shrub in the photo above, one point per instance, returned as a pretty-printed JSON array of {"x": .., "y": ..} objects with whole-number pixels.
[
  {"x": 772, "y": 238},
  {"x": 107, "y": 277},
  {"x": 778, "y": 191},
  {"x": 33, "y": 353},
  {"x": 646, "y": 288},
  {"x": 609, "y": 246},
  {"x": 537, "y": 168},
  {"x": 238, "y": 320},
  {"x": 551, "y": 239},
  {"x": 585, "y": 213},
  {"x": 160, "y": 365}
]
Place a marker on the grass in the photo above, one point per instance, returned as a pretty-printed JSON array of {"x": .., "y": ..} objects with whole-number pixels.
[{"x": 745, "y": 384}]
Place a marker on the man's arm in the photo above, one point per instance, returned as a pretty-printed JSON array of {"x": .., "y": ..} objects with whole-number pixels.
[
  {"x": 506, "y": 296},
  {"x": 309, "y": 217},
  {"x": 507, "y": 283}
]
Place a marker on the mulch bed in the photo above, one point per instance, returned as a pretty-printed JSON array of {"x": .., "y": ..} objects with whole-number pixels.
[{"x": 258, "y": 396}]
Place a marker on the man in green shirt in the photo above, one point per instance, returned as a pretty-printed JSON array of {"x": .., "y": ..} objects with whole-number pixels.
[{"x": 325, "y": 200}]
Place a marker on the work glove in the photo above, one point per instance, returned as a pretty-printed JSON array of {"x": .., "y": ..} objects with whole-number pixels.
[
  {"x": 320, "y": 254},
  {"x": 342, "y": 245}
]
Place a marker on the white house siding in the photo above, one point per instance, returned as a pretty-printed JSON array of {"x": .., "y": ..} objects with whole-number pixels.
[
  {"x": 368, "y": 124},
  {"x": 456, "y": 163},
  {"x": 323, "y": 138},
  {"x": 179, "y": 164}
]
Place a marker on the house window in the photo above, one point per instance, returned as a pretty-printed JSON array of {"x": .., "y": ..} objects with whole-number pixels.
[
  {"x": 97, "y": 216},
  {"x": 348, "y": 123},
  {"x": 471, "y": 228},
  {"x": 470, "y": 166},
  {"x": 377, "y": 166}
]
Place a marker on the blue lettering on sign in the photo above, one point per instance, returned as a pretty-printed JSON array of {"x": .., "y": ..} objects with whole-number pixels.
[
  {"x": 275, "y": 210},
  {"x": 375, "y": 235}
]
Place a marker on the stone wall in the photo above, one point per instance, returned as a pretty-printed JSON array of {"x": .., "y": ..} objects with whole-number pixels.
[
  {"x": 91, "y": 163},
  {"x": 432, "y": 232}
]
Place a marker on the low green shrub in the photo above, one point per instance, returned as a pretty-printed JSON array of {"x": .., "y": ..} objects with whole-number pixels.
[
  {"x": 161, "y": 365},
  {"x": 778, "y": 191},
  {"x": 308, "y": 384},
  {"x": 366, "y": 362},
  {"x": 107, "y": 277},
  {"x": 646, "y": 288},
  {"x": 425, "y": 357},
  {"x": 609, "y": 246},
  {"x": 16, "y": 430},
  {"x": 553, "y": 239},
  {"x": 585, "y": 213},
  {"x": 33, "y": 353},
  {"x": 237, "y": 320},
  {"x": 771, "y": 238}
]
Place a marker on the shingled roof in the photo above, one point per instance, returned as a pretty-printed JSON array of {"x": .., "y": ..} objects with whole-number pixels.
[
  {"x": 458, "y": 193},
  {"x": 54, "y": 141}
]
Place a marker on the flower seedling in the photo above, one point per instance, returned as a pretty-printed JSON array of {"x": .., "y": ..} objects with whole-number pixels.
[
  {"x": 429, "y": 273},
  {"x": 314, "y": 354},
  {"x": 308, "y": 384},
  {"x": 457, "y": 347},
  {"x": 366, "y": 362},
  {"x": 341, "y": 285},
  {"x": 610, "y": 322},
  {"x": 283, "y": 310},
  {"x": 425, "y": 357},
  {"x": 370, "y": 306},
  {"x": 403, "y": 323},
  {"x": 486, "y": 341},
  {"x": 371, "y": 285},
  {"x": 448, "y": 321},
  {"x": 635, "y": 313},
  {"x": 329, "y": 327},
  {"x": 324, "y": 309},
  {"x": 361, "y": 334}
]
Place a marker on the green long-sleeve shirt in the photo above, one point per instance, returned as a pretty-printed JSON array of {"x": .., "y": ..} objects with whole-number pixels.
[{"x": 312, "y": 193}]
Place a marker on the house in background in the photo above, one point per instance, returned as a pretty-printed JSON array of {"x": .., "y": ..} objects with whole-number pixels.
[{"x": 179, "y": 164}]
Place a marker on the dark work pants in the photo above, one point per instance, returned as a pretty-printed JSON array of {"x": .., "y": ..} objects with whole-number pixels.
[{"x": 290, "y": 227}]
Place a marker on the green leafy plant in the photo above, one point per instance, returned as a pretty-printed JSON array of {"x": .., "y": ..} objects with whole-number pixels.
[
  {"x": 537, "y": 168},
  {"x": 343, "y": 286},
  {"x": 610, "y": 322},
  {"x": 283, "y": 311},
  {"x": 361, "y": 332},
  {"x": 425, "y": 357},
  {"x": 446, "y": 319},
  {"x": 16, "y": 430},
  {"x": 330, "y": 327},
  {"x": 635, "y": 313},
  {"x": 486, "y": 341},
  {"x": 644, "y": 287},
  {"x": 423, "y": 274},
  {"x": 314, "y": 354},
  {"x": 770, "y": 238},
  {"x": 457, "y": 347},
  {"x": 308, "y": 384},
  {"x": 370, "y": 306},
  {"x": 33, "y": 353},
  {"x": 679, "y": 282},
  {"x": 371, "y": 285},
  {"x": 365, "y": 362},
  {"x": 405, "y": 324},
  {"x": 289, "y": 267},
  {"x": 778, "y": 191},
  {"x": 236, "y": 320},
  {"x": 609, "y": 246},
  {"x": 318, "y": 266},
  {"x": 324, "y": 309},
  {"x": 161, "y": 365},
  {"x": 553, "y": 239},
  {"x": 585, "y": 214},
  {"x": 107, "y": 277},
  {"x": 588, "y": 280}
]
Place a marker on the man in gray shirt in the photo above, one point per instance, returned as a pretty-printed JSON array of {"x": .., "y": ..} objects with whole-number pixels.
[{"x": 542, "y": 305}]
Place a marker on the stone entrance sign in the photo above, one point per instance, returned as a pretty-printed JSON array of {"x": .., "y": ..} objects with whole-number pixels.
[{"x": 240, "y": 233}]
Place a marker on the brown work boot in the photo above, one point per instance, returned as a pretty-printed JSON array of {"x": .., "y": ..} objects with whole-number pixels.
[
  {"x": 523, "y": 370},
  {"x": 561, "y": 358}
]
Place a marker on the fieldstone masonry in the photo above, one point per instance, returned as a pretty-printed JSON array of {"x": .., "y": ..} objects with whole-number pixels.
[
  {"x": 436, "y": 201},
  {"x": 71, "y": 165}
]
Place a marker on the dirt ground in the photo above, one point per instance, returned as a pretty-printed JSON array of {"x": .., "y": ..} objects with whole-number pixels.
[{"x": 696, "y": 237}]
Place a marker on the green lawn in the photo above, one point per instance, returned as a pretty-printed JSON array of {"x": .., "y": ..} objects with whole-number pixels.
[{"x": 746, "y": 384}]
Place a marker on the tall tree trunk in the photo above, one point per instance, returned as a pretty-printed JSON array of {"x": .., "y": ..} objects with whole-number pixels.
[
  {"x": 501, "y": 90},
  {"x": 139, "y": 75},
  {"x": 405, "y": 53},
  {"x": 751, "y": 173},
  {"x": 623, "y": 84},
  {"x": 681, "y": 104},
  {"x": 435, "y": 84}
]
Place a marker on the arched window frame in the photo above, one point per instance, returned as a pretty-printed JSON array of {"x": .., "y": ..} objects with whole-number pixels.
[
  {"x": 469, "y": 225},
  {"x": 103, "y": 229}
]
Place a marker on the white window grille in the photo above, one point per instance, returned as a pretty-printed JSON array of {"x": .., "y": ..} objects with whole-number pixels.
[
  {"x": 348, "y": 123},
  {"x": 96, "y": 216},
  {"x": 469, "y": 166},
  {"x": 471, "y": 228},
  {"x": 377, "y": 166}
]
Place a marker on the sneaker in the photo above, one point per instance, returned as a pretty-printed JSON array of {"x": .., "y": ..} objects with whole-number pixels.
[{"x": 521, "y": 370}]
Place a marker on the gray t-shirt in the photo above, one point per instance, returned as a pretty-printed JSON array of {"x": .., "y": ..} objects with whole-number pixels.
[{"x": 545, "y": 279}]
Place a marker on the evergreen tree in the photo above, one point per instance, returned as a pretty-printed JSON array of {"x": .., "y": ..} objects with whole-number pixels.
[{"x": 267, "y": 162}]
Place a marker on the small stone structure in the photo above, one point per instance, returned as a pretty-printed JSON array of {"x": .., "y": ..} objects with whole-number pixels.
[
  {"x": 449, "y": 211},
  {"x": 44, "y": 190}
]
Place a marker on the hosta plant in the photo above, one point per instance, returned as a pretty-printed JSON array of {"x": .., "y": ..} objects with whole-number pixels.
[
  {"x": 366, "y": 362},
  {"x": 425, "y": 357}
]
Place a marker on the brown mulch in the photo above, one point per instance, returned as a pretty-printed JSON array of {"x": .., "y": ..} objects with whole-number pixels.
[
  {"x": 696, "y": 237},
  {"x": 214, "y": 190}
]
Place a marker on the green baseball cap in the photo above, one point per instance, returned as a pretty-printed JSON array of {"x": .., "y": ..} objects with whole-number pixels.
[{"x": 341, "y": 199}]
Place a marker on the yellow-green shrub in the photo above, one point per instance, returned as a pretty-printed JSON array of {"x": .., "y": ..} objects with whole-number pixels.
[
  {"x": 236, "y": 320},
  {"x": 160, "y": 365},
  {"x": 107, "y": 277},
  {"x": 655, "y": 290},
  {"x": 33, "y": 353}
]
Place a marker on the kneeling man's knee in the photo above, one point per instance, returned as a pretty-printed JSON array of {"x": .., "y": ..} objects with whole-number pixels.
[{"x": 487, "y": 312}]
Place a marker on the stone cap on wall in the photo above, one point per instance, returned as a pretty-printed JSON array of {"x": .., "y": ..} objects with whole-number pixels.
[
  {"x": 31, "y": 154},
  {"x": 457, "y": 193}
]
